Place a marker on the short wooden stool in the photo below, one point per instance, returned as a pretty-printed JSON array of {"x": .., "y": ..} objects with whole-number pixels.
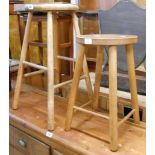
[
  {"x": 112, "y": 41},
  {"x": 51, "y": 9}
]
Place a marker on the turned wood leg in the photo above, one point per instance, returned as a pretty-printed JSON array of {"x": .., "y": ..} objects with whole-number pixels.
[
  {"x": 113, "y": 98},
  {"x": 74, "y": 87},
  {"x": 22, "y": 58},
  {"x": 40, "y": 50},
  {"x": 98, "y": 75},
  {"x": 56, "y": 52},
  {"x": 50, "y": 64},
  {"x": 88, "y": 81},
  {"x": 132, "y": 81},
  {"x": 71, "y": 48}
]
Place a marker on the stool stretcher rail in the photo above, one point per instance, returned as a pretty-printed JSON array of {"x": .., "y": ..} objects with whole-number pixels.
[{"x": 90, "y": 112}]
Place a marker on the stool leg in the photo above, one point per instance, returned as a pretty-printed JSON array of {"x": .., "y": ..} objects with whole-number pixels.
[
  {"x": 132, "y": 81},
  {"x": 50, "y": 63},
  {"x": 74, "y": 88},
  {"x": 22, "y": 58},
  {"x": 98, "y": 75},
  {"x": 40, "y": 51},
  {"x": 56, "y": 53},
  {"x": 113, "y": 97},
  {"x": 71, "y": 48},
  {"x": 88, "y": 81}
]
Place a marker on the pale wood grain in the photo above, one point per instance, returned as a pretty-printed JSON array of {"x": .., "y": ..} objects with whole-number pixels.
[
  {"x": 98, "y": 75},
  {"x": 74, "y": 87},
  {"x": 22, "y": 58},
  {"x": 113, "y": 98},
  {"x": 132, "y": 81},
  {"x": 50, "y": 60}
]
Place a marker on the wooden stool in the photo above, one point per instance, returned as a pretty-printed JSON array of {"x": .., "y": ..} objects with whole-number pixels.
[
  {"x": 112, "y": 41},
  {"x": 51, "y": 9}
]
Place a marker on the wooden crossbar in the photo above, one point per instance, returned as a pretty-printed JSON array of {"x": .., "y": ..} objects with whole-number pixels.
[
  {"x": 84, "y": 105},
  {"x": 72, "y": 59},
  {"x": 35, "y": 65},
  {"x": 66, "y": 58},
  {"x": 126, "y": 117},
  {"x": 90, "y": 112},
  {"x": 67, "y": 82},
  {"x": 34, "y": 73}
]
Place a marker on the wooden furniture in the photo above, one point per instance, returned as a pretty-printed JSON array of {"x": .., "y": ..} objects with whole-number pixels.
[
  {"x": 21, "y": 143},
  {"x": 51, "y": 9},
  {"x": 29, "y": 124},
  {"x": 64, "y": 43},
  {"x": 112, "y": 41},
  {"x": 37, "y": 51}
]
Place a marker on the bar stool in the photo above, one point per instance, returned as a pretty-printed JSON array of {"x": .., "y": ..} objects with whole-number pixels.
[
  {"x": 112, "y": 41},
  {"x": 51, "y": 9}
]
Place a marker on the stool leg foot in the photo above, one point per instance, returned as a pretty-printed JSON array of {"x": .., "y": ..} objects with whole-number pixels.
[
  {"x": 113, "y": 98},
  {"x": 22, "y": 58},
  {"x": 50, "y": 63},
  {"x": 74, "y": 87},
  {"x": 132, "y": 81},
  {"x": 98, "y": 75}
]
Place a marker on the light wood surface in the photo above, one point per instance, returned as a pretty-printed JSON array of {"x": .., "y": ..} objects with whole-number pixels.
[
  {"x": 98, "y": 73},
  {"x": 57, "y": 6},
  {"x": 113, "y": 97},
  {"x": 22, "y": 58},
  {"x": 35, "y": 65},
  {"x": 111, "y": 40},
  {"x": 74, "y": 87},
  {"x": 85, "y": 65},
  {"x": 64, "y": 24},
  {"x": 50, "y": 60},
  {"x": 107, "y": 39},
  {"x": 52, "y": 50},
  {"x": 84, "y": 138},
  {"x": 132, "y": 81},
  {"x": 57, "y": 77},
  {"x": 88, "y": 81},
  {"x": 90, "y": 112},
  {"x": 34, "y": 73}
]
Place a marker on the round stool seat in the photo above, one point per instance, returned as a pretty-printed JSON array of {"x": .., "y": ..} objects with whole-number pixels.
[
  {"x": 107, "y": 39},
  {"x": 58, "y": 6}
]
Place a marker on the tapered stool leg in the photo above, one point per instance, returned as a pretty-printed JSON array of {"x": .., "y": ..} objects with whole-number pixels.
[
  {"x": 98, "y": 75},
  {"x": 85, "y": 65},
  {"x": 50, "y": 63},
  {"x": 22, "y": 58},
  {"x": 88, "y": 81},
  {"x": 113, "y": 98},
  {"x": 132, "y": 81},
  {"x": 56, "y": 53},
  {"x": 74, "y": 87}
]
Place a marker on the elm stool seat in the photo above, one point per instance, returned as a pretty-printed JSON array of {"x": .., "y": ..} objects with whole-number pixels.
[
  {"x": 52, "y": 67},
  {"x": 112, "y": 41}
]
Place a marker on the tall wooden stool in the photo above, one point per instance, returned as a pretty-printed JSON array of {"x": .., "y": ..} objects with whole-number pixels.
[
  {"x": 51, "y": 9},
  {"x": 112, "y": 41}
]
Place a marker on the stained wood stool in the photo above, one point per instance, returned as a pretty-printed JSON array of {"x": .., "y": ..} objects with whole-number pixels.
[
  {"x": 51, "y": 9},
  {"x": 112, "y": 41}
]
